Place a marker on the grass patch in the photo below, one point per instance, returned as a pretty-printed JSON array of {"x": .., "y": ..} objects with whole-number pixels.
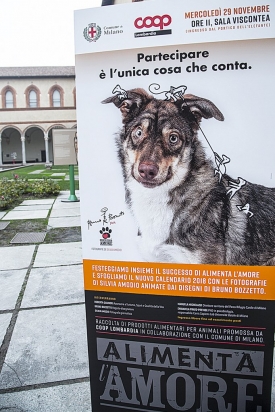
[
  {"x": 63, "y": 235},
  {"x": 26, "y": 172},
  {"x": 32, "y": 181}
]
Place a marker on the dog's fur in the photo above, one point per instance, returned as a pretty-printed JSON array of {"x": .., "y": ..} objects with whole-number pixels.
[{"x": 183, "y": 212}]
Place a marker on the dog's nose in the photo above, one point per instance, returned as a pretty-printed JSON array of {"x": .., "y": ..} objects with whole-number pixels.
[{"x": 148, "y": 170}]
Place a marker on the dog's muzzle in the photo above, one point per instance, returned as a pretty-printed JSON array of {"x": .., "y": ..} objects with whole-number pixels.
[
  {"x": 148, "y": 171},
  {"x": 149, "y": 176}
]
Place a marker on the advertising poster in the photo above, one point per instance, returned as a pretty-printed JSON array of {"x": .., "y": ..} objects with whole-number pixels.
[
  {"x": 177, "y": 176},
  {"x": 65, "y": 147}
]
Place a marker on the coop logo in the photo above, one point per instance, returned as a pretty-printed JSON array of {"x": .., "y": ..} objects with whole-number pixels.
[
  {"x": 158, "y": 22},
  {"x": 92, "y": 32}
]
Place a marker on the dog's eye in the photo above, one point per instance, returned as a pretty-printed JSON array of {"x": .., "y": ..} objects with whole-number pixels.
[
  {"x": 138, "y": 133},
  {"x": 173, "y": 138}
]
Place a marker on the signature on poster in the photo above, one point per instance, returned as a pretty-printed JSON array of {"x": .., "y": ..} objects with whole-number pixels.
[{"x": 106, "y": 218}]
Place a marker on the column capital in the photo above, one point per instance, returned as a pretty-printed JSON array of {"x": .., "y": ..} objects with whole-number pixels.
[{"x": 23, "y": 139}]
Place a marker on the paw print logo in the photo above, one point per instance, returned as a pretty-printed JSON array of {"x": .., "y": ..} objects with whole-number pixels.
[{"x": 105, "y": 232}]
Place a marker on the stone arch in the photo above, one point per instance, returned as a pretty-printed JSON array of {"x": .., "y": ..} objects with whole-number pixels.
[
  {"x": 33, "y": 125},
  {"x": 11, "y": 127},
  {"x": 56, "y": 126}
]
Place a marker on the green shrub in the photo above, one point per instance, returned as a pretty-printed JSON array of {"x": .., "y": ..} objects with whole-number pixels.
[
  {"x": 45, "y": 187},
  {"x": 11, "y": 190}
]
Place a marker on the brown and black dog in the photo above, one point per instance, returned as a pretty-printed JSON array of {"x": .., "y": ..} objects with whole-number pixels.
[{"x": 183, "y": 210}]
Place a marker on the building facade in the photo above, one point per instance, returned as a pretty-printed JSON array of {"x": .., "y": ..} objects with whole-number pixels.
[
  {"x": 33, "y": 102},
  {"x": 111, "y": 2}
]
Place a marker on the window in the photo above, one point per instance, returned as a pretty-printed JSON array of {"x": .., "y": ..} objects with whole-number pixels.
[
  {"x": 9, "y": 100},
  {"x": 8, "y": 97},
  {"x": 32, "y": 95},
  {"x": 56, "y": 95},
  {"x": 56, "y": 98},
  {"x": 32, "y": 99}
]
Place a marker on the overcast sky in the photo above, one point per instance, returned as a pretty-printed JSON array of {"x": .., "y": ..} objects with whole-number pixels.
[{"x": 38, "y": 32}]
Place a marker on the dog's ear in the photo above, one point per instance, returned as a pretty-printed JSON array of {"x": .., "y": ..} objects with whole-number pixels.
[
  {"x": 200, "y": 107},
  {"x": 131, "y": 105}
]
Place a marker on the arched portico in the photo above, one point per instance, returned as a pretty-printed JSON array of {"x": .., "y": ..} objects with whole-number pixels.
[
  {"x": 33, "y": 144},
  {"x": 10, "y": 146},
  {"x": 34, "y": 137}
]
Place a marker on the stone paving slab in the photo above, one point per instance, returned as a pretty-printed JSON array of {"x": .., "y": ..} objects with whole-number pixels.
[
  {"x": 58, "y": 174},
  {"x": 65, "y": 199},
  {"x": 32, "y": 207},
  {"x": 5, "y": 319},
  {"x": 11, "y": 282},
  {"x": 47, "y": 345},
  {"x": 36, "y": 172},
  {"x": 66, "y": 205},
  {"x": 71, "y": 221},
  {"x": 66, "y": 193},
  {"x": 2, "y": 214},
  {"x": 4, "y": 225},
  {"x": 16, "y": 257},
  {"x": 76, "y": 177},
  {"x": 68, "y": 211},
  {"x": 38, "y": 202},
  {"x": 26, "y": 214},
  {"x": 58, "y": 254},
  {"x": 64, "y": 398},
  {"x": 54, "y": 286}
]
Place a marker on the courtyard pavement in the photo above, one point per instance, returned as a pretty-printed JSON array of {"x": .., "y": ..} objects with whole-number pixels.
[{"x": 43, "y": 358}]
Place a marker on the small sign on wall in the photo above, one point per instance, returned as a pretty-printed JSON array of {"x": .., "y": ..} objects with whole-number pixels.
[{"x": 65, "y": 147}]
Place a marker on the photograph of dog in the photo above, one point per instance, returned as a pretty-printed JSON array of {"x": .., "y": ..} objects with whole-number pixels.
[{"x": 188, "y": 210}]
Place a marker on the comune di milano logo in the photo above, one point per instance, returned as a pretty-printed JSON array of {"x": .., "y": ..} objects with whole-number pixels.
[
  {"x": 159, "y": 22},
  {"x": 92, "y": 32}
]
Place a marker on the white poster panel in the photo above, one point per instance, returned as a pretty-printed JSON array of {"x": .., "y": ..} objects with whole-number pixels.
[
  {"x": 175, "y": 118},
  {"x": 233, "y": 75}
]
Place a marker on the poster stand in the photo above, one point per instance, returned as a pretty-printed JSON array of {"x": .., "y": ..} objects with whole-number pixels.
[
  {"x": 72, "y": 197},
  {"x": 175, "y": 119},
  {"x": 65, "y": 152}
]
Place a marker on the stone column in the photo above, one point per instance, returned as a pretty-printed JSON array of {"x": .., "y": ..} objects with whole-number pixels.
[
  {"x": 1, "y": 164},
  {"x": 46, "y": 138},
  {"x": 23, "y": 141}
]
